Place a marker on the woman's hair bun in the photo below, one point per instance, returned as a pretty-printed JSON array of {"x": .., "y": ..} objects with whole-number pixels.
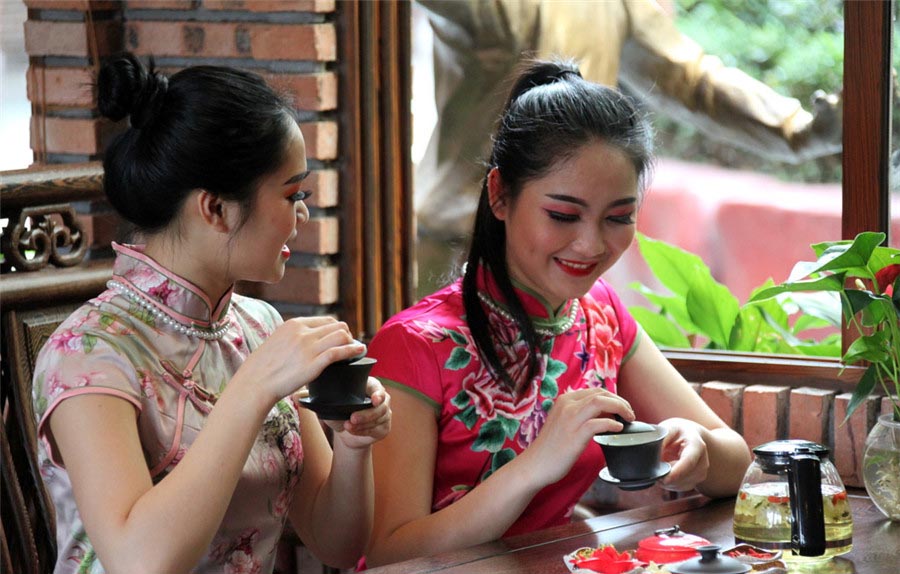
[
  {"x": 534, "y": 73},
  {"x": 126, "y": 87}
]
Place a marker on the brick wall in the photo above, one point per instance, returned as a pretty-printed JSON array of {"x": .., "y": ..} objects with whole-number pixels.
[
  {"x": 292, "y": 43},
  {"x": 762, "y": 413}
]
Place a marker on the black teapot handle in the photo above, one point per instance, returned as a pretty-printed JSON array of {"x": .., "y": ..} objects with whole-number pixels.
[{"x": 808, "y": 516}]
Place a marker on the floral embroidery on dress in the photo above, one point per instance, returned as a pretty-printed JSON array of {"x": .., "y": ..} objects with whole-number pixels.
[
  {"x": 501, "y": 415},
  {"x": 237, "y": 555}
]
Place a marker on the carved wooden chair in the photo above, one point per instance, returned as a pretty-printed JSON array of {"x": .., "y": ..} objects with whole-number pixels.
[{"x": 29, "y": 533}]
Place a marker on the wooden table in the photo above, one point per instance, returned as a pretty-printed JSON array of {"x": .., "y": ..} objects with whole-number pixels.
[{"x": 876, "y": 540}]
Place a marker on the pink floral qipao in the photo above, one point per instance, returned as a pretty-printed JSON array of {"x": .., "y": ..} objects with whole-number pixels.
[
  {"x": 115, "y": 346},
  {"x": 428, "y": 350}
]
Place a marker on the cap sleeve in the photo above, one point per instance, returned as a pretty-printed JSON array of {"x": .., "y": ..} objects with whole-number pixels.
[
  {"x": 407, "y": 360},
  {"x": 73, "y": 364}
]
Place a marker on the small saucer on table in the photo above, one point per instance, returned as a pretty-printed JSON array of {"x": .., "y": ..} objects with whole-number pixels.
[
  {"x": 662, "y": 469},
  {"x": 334, "y": 412}
]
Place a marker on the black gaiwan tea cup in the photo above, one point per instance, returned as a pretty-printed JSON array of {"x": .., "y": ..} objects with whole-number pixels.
[
  {"x": 340, "y": 389},
  {"x": 633, "y": 455}
]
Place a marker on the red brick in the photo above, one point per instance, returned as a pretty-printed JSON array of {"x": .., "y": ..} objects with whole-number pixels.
[
  {"x": 810, "y": 414},
  {"x": 271, "y": 5},
  {"x": 319, "y": 235},
  {"x": 233, "y": 40},
  {"x": 305, "y": 285},
  {"x": 60, "y": 86},
  {"x": 79, "y": 5},
  {"x": 324, "y": 184},
  {"x": 46, "y": 38},
  {"x": 765, "y": 413},
  {"x": 71, "y": 135},
  {"x": 850, "y": 437},
  {"x": 314, "y": 92},
  {"x": 321, "y": 139},
  {"x": 725, "y": 400}
]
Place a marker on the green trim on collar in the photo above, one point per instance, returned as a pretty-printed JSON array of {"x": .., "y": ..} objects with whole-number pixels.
[
  {"x": 413, "y": 392},
  {"x": 551, "y": 314}
]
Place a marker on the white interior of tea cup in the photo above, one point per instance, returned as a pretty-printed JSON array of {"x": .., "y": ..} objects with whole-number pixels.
[{"x": 631, "y": 439}]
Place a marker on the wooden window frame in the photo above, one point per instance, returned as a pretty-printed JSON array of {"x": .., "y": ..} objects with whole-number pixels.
[
  {"x": 386, "y": 260},
  {"x": 868, "y": 28}
]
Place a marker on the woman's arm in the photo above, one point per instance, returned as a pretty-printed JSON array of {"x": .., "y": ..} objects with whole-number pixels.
[
  {"x": 698, "y": 439},
  {"x": 332, "y": 506},
  {"x": 404, "y": 471},
  {"x": 135, "y": 526}
]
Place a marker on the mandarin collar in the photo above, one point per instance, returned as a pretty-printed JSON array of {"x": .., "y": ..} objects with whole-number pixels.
[
  {"x": 174, "y": 295},
  {"x": 537, "y": 307}
]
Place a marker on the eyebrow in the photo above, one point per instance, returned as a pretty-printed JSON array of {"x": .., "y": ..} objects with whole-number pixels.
[
  {"x": 583, "y": 203},
  {"x": 297, "y": 178}
]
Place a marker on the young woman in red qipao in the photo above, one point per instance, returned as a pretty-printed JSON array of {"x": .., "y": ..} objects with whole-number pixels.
[{"x": 500, "y": 380}]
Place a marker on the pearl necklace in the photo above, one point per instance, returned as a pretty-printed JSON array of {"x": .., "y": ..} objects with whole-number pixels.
[
  {"x": 215, "y": 332},
  {"x": 558, "y": 329}
]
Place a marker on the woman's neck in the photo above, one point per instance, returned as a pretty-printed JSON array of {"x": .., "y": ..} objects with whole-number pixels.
[{"x": 191, "y": 261}]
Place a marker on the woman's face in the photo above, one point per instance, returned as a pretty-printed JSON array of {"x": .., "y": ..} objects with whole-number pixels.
[
  {"x": 259, "y": 248},
  {"x": 569, "y": 226}
]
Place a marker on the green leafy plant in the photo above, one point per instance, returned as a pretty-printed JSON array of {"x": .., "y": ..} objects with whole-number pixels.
[
  {"x": 699, "y": 312},
  {"x": 866, "y": 277}
]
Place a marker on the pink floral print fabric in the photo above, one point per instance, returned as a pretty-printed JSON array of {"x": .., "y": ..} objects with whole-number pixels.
[
  {"x": 115, "y": 347},
  {"x": 428, "y": 350}
]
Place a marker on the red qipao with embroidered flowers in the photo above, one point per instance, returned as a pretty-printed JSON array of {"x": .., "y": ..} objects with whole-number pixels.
[{"x": 427, "y": 350}]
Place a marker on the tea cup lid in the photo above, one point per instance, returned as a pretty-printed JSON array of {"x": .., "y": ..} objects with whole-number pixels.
[
  {"x": 710, "y": 562},
  {"x": 632, "y": 427}
]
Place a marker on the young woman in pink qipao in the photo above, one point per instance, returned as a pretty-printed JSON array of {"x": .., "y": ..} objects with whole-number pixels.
[
  {"x": 500, "y": 380},
  {"x": 171, "y": 442}
]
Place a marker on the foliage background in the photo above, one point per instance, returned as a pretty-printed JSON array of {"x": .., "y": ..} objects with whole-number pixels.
[{"x": 794, "y": 46}]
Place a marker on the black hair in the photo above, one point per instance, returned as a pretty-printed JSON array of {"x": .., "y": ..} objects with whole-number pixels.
[
  {"x": 551, "y": 113},
  {"x": 207, "y": 127}
]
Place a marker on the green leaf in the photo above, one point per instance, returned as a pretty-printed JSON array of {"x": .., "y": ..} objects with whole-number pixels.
[
  {"x": 863, "y": 389},
  {"x": 468, "y": 417},
  {"x": 460, "y": 400},
  {"x": 458, "y": 359},
  {"x": 746, "y": 330},
  {"x": 806, "y": 322},
  {"x": 713, "y": 309},
  {"x": 674, "y": 267},
  {"x": 843, "y": 257},
  {"x": 549, "y": 388},
  {"x": 502, "y": 457},
  {"x": 555, "y": 369},
  {"x": 547, "y": 405},
  {"x": 457, "y": 337},
  {"x": 660, "y": 329},
  {"x": 492, "y": 435},
  {"x": 871, "y": 348},
  {"x": 88, "y": 342},
  {"x": 859, "y": 300},
  {"x": 671, "y": 305},
  {"x": 827, "y": 283}
]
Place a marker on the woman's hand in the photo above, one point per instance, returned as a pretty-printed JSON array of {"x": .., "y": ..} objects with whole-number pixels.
[
  {"x": 367, "y": 426},
  {"x": 573, "y": 420},
  {"x": 685, "y": 447},
  {"x": 296, "y": 353}
]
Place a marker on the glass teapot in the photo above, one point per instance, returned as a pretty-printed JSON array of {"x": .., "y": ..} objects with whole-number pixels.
[{"x": 792, "y": 499}]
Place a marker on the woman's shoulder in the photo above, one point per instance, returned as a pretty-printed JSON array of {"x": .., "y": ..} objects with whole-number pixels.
[
  {"x": 256, "y": 310},
  {"x": 442, "y": 308}
]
